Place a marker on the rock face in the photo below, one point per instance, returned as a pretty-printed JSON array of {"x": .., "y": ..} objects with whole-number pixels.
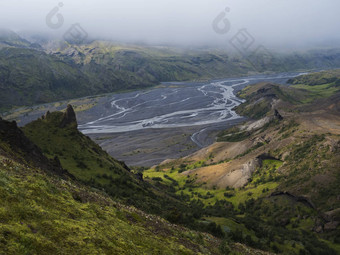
[
  {"x": 256, "y": 124},
  {"x": 261, "y": 122},
  {"x": 139, "y": 176},
  {"x": 240, "y": 177},
  {"x": 249, "y": 168},
  {"x": 47, "y": 114},
  {"x": 277, "y": 115},
  {"x": 69, "y": 118}
]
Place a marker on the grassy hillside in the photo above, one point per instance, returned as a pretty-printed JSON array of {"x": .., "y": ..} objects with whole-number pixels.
[
  {"x": 43, "y": 214},
  {"x": 318, "y": 85}
]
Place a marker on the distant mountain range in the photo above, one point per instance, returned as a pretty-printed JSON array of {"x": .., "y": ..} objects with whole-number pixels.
[{"x": 46, "y": 71}]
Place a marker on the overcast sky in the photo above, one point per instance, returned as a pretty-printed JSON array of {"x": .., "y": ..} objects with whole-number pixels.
[{"x": 189, "y": 22}]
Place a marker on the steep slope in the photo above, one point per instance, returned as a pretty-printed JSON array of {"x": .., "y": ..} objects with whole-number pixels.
[
  {"x": 44, "y": 213},
  {"x": 10, "y": 39}
]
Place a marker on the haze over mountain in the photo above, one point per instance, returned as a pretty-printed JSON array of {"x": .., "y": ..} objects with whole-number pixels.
[{"x": 281, "y": 24}]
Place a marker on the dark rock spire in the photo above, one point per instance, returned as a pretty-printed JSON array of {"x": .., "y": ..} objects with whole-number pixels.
[{"x": 69, "y": 117}]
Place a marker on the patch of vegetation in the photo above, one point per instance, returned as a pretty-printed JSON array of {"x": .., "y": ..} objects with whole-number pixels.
[
  {"x": 279, "y": 229},
  {"x": 267, "y": 173},
  {"x": 271, "y": 219}
]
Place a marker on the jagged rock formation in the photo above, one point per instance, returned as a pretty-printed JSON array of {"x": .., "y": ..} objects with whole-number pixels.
[
  {"x": 247, "y": 171},
  {"x": 69, "y": 117},
  {"x": 277, "y": 115}
]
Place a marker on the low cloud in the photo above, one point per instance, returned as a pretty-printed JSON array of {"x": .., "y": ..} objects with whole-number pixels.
[{"x": 280, "y": 23}]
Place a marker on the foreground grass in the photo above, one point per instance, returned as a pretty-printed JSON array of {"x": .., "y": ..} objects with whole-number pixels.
[{"x": 42, "y": 214}]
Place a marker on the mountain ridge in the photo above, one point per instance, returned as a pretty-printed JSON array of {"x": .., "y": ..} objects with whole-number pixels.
[{"x": 32, "y": 76}]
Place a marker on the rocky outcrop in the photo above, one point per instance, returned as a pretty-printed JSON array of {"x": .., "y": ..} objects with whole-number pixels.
[
  {"x": 46, "y": 115},
  {"x": 261, "y": 122},
  {"x": 332, "y": 219},
  {"x": 69, "y": 118},
  {"x": 240, "y": 177},
  {"x": 139, "y": 176},
  {"x": 277, "y": 115},
  {"x": 256, "y": 124},
  {"x": 249, "y": 168}
]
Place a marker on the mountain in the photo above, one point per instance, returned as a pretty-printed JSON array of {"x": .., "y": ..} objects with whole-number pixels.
[
  {"x": 10, "y": 39},
  {"x": 53, "y": 71},
  {"x": 279, "y": 171}
]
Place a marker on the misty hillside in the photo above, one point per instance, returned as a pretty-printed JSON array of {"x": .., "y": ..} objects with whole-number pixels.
[{"x": 34, "y": 76}]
